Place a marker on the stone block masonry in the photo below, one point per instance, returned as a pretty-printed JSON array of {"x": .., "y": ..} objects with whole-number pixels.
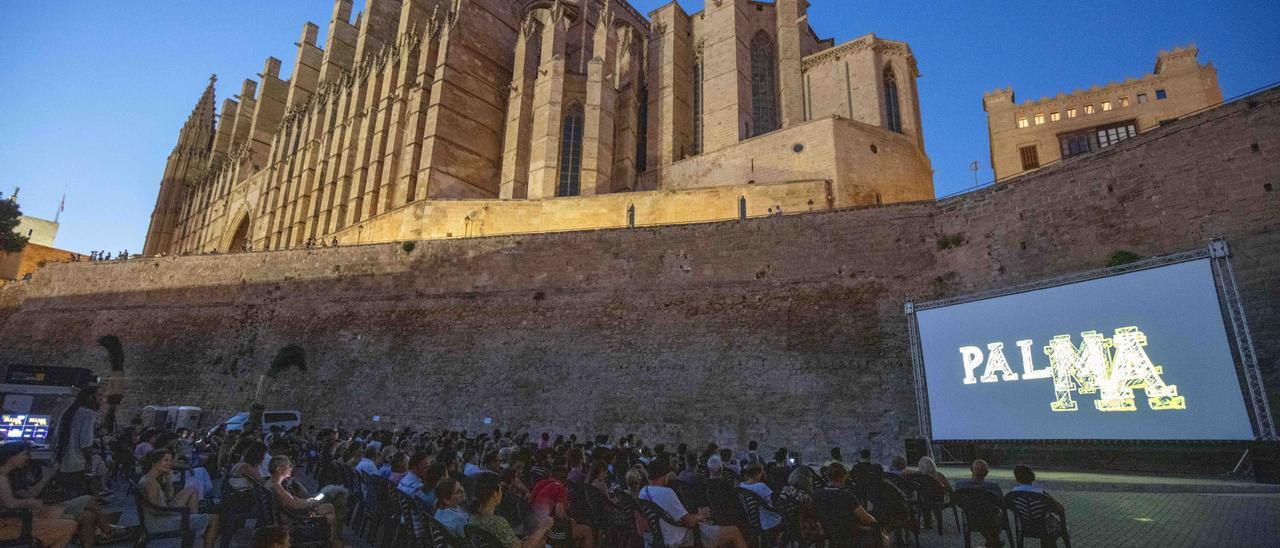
[{"x": 784, "y": 329}]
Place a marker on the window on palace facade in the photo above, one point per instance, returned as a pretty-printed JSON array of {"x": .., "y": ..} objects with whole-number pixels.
[
  {"x": 1039, "y": 119},
  {"x": 1106, "y": 106},
  {"x": 1088, "y": 109},
  {"x": 892, "y": 108},
  {"x": 1023, "y": 122},
  {"x": 571, "y": 152},
  {"x": 1055, "y": 116},
  {"x": 1124, "y": 102},
  {"x": 1110, "y": 135},
  {"x": 1161, "y": 95},
  {"x": 1075, "y": 144},
  {"x": 697, "y": 106},
  {"x": 1142, "y": 98},
  {"x": 1030, "y": 157},
  {"x": 1071, "y": 113},
  {"x": 764, "y": 85}
]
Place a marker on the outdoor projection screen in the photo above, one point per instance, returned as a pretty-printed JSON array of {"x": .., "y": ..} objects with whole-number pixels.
[{"x": 1135, "y": 356}]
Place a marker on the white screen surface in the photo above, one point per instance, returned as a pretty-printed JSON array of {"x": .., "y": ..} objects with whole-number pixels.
[{"x": 1137, "y": 356}]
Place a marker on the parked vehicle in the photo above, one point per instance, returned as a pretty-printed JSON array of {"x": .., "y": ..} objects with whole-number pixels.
[
  {"x": 285, "y": 419},
  {"x": 172, "y": 417}
]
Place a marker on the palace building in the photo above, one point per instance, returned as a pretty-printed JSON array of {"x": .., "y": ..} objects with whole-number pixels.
[
  {"x": 1026, "y": 136},
  {"x": 425, "y": 119}
]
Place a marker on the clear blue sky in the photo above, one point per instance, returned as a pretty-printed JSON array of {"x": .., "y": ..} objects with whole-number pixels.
[{"x": 92, "y": 93}]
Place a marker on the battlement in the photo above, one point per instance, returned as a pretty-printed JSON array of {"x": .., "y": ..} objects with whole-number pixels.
[
  {"x": 998, "y": 95},
  {"x": 1177, "y": 58}
]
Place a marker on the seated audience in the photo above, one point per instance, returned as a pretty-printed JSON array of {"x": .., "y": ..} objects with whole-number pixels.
[
  {"x": 281, "y": 468},
  {"x": 48, "y": 523},
  {"x": 157, "y": 489},
  {"x": 1026, "y": 484},
  {"x": 753, "y": 479},
  {"x": 550, "y": 497},
  {"x": 844, "y": 521},
  {"x": 449, "y": 497},
  {"x": 898, "y": 467},
  {"x": 713, "y": 536},
  {"x": 421, "y": 479},
  {"x": 866, "y": 473},
  {"x": 245, "y": 474},
  {"x": 488, "y": 496},
  {"x": 798, "y": 494},
  {"x": 399, "y": 467},
  {"x": 368, "y": 464},
  {"x": 987, "y": 526}
]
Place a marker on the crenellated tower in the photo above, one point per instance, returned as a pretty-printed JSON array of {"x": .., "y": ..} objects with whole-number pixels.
[{"x": 190, "y": 156}]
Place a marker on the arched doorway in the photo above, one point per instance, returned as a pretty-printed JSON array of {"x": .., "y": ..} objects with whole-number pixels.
[{"x": 240, "y": 238}]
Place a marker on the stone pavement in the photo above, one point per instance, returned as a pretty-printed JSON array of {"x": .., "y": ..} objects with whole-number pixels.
[{"x": 1163, "y": 520}]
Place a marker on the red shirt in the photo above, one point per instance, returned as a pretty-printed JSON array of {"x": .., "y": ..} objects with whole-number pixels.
[{"x": 547, "y": 494}]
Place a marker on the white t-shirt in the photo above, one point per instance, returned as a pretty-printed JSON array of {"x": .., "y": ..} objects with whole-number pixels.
[
  {"x": 666, "y": 498},
  {"x": 81, "y": 437}
]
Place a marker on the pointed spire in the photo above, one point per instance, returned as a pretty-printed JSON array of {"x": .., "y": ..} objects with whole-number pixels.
[{"x": 199, "y": 129}]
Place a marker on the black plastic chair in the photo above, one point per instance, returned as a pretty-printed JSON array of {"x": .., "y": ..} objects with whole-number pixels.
[
  {"x": 479, "y": 538},
  {"x": 24, "y": 536},
  {"x": 893, "y": 511},
  {"x": 655, "y": 516},
  {"x": 434, "y": 533},
  {"x": 1032, "y": 514},
  {"x": 792, "y": 533},
  {"x": 237, "y": 507},
  {"x": 752, "y": 503},
  {"x": 981, "y": 509},
  {"x": 147, "y": 534},
  {"x": 932, "y": 500},
  {"x": 305, "y": 530}
]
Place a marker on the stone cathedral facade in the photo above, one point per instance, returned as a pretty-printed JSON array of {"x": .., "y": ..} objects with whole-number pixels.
[{"x": 448, "y": 118}]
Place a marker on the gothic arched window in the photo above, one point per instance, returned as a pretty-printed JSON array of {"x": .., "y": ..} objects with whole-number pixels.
[
  {"x": 571, "y": 152},
  {"x": 697, "y": 105},
  {"x": 764, "y": 85},
  {"x": 892, "y": 109}
]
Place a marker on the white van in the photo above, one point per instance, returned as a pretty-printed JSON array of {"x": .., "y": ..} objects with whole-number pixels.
[
  {"x": 172, "y": 417},
  {"x": 285, "y": 419}
]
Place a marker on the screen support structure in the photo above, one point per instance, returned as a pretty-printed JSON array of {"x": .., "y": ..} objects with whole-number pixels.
[{"x": 1224, "y": 277}]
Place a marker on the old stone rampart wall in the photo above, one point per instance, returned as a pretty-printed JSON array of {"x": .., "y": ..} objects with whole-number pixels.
[{"x": 785, "y": 329}]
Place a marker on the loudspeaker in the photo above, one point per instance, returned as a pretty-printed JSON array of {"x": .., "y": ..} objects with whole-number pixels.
[
  {"x": 1265, "y": 458},
  {"x": 915, "y": 449}
]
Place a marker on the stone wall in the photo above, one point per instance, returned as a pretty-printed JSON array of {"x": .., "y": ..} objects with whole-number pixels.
[{"x": 786, "y": 329}]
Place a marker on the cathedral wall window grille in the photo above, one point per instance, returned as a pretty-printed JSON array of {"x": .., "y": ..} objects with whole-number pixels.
[
  {"x": 571, "y": 152},
  {"x": 764, "y": 85},
  {"x": 697, "y": 107},
  {"x": 642, "y": 132},
  {"x": 892, "y": 108}
]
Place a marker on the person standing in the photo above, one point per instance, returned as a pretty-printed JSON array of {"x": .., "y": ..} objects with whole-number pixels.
[{"x": 74, "y": 449}]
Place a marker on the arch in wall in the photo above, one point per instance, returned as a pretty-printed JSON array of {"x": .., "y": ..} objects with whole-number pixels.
[
  {"x": 764, "y": 84},
  {"x": 237, "y": 237},
  {"x": 570, "y": 180},
  {"x": 892, "y": 104}
]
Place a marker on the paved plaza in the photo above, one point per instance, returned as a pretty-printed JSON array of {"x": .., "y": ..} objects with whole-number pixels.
[{"x": 1103, "y": 510}]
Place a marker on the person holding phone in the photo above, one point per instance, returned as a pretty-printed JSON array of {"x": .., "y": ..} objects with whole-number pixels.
[{"x": 281, "y": 468}]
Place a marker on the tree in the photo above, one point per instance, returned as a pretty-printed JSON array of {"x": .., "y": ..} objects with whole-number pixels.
[
  {"x": 10, "y": 241},
  {"x": 291, "y": 356}
]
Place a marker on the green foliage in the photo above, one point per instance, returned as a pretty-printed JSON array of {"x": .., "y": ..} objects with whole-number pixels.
[
  {"x": 10, "y": 241},
  {"x": 408, "y": 247},
  {"x": 1122, "y": 257},
  {"x": 289, "y": 356},
  {"x": 115, "y": 351},
  {"x": 950, "y": 241}
]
